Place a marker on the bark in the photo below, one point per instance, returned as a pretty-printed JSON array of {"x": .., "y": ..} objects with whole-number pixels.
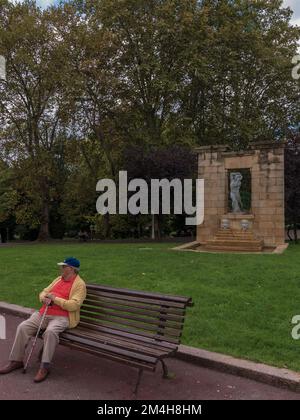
[
  {"x": 44, "y": 228},
  {"x": 107, "y": 226},
  {"x": 3, "y": 233},
  {"x": 295, "y": 233}
]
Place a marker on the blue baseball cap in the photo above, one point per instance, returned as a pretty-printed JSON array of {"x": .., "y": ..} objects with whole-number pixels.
[{"x": 71, "y": 262}]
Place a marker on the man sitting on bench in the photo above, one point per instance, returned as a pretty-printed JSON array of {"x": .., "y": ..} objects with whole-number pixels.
[{"x": 65, "y": 296}]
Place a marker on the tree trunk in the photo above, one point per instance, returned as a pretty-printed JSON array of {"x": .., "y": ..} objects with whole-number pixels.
[
  {"x": 3, "y": 233},
  {"x": 44, "y": 228},
  {"x": 155, "y": 227},
  {"x": 139, "y": 229},
  {"x": 295, "y": 233},
  {"x": 106, "y": 226},
  {"x": 152, "y": 227},
  {"x": 289, "y": 234}
]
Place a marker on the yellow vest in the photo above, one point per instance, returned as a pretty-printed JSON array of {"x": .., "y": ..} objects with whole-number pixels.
[{"x": 72, "y": 305}]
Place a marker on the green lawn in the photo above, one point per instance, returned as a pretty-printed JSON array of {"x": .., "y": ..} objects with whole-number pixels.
[{"x": 243, "y": 303}]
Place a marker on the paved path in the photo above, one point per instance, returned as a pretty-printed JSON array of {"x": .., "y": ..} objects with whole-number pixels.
[{"x": 77, "y": 375}]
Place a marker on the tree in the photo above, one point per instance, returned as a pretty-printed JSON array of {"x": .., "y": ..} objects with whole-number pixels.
[
  {"x": 242, "y": 89},
  {"x": 32, "y": 104},
  {"x": 8, "y": 201},
  {"x": 160, "y": 163},
  {"x": 146, "y": 63},
  {"x": 201, "y": 72},
  {"x": 99, "y": 78}
]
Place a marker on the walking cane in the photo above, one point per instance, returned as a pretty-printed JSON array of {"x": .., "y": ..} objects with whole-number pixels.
[{"x": 36, "y": 337}]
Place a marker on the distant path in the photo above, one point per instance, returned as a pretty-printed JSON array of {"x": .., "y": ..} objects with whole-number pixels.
[{"x": 100, "y": 241}]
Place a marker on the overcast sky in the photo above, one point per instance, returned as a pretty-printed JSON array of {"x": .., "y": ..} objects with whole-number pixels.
[
  {"x": 42, "y": 3},
  {"x": 295, "y": 6}
]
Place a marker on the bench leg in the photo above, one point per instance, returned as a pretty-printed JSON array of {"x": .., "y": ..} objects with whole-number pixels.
[
  {"x": 166, "y": 373},
  {"x": 138, "y": 381}
]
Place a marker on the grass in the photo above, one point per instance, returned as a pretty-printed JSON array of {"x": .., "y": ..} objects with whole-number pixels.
[{"x": 244, "y": 304}]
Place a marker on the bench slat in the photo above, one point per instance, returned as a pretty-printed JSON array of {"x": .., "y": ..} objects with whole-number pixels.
[
  {"x": 128, "y": 362},
  {"x": 158, "y": 320},
  {"x": 124, "y": 344},
  {"x": 124, "y": 340},
  {"x": 141, "y": 294},
  {"x": 110, "y": 349},
  {"x": 134, "y": 309},
  {"x": 136, "y": 304},
  {"x": 128, "y": 330},
  {"x": 137, "y": 326},
  {"x": 134, "y": 299},
  {"x": 128, "y": 335}
]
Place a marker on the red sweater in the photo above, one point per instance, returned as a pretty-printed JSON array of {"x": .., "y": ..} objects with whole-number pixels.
[{"x": 61, "y": 289}]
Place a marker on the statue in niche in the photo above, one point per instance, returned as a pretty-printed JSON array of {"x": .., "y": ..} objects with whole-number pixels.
[{"x": 235, "y": 185}]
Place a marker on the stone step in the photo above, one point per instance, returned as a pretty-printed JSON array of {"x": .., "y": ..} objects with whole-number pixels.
[
  {"x": 235, "y": 240},
  {"x": 234, "y": 234},
  {"x": 241, "y": 244},
  {"x": 237, "y": 235},
  {"x": 233, "y": 248}
]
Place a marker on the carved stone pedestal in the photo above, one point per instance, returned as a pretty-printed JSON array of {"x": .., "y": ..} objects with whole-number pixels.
[{"x": 235, "y": 234}]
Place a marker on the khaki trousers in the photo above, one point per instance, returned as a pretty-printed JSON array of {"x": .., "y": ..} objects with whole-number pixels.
[{"x": 53, "y": 325}]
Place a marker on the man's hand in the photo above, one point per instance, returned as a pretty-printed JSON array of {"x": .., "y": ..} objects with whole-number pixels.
[
  {"x": 50, "y": 296},
  {"x": 47, "y": 301}
]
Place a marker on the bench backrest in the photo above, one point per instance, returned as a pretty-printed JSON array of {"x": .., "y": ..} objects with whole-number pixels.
[{"x": 136, "y": 313}]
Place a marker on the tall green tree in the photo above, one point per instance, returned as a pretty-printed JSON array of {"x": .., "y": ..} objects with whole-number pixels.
[
  {"x": 153, "y": 40},
  {"x": 201, "y": 72},
  {"x": 93, "y": 78},
  {"x": 8, "y": 201},
  {"x": 32, "y": 104},
  {"x": 243, "y": 90}
]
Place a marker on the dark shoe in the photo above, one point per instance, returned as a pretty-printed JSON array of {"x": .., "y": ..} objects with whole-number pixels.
[
  {"x": 12, "y": 365},
  {"x": 41, "y": 375}
]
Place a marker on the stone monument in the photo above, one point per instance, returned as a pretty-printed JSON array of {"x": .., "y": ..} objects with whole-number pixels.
[{"x": 229, "y": 222}]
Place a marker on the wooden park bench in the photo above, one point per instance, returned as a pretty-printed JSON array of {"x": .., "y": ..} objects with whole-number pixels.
[{"x": 133, "y": 327}]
